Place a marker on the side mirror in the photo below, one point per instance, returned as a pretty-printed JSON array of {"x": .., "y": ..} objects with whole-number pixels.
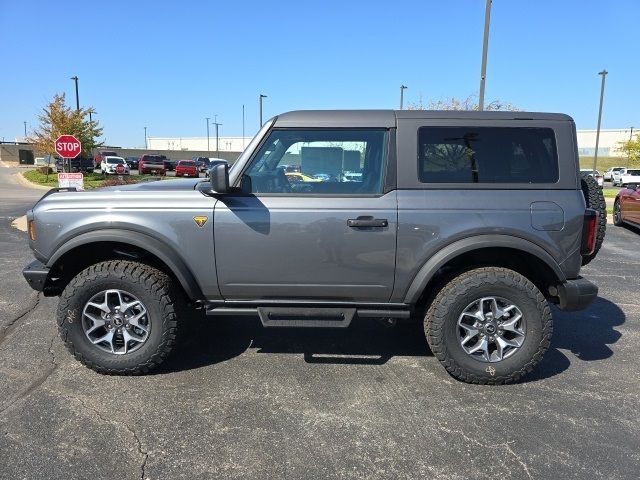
[{"x": 219, "y": 178}]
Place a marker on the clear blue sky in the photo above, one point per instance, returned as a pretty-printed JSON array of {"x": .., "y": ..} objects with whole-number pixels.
[{"x": 168, "y": 65}]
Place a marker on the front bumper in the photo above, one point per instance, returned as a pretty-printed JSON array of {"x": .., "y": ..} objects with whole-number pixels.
[
  {"x": 36, "y": 274},
  {"x": 576, "y": 294}
]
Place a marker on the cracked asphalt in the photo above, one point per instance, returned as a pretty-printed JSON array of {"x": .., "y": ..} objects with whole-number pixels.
[{"x": 239, "y": 401}]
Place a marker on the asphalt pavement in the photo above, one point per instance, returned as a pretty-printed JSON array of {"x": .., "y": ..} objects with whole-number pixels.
[{"x": 239, "y": 401}]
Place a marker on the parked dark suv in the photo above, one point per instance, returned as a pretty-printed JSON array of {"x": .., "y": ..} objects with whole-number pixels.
[{"x": 472, "y": 223}]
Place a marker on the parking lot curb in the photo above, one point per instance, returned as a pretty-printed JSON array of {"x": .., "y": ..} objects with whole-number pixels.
[{"x": 26, "y": 183}]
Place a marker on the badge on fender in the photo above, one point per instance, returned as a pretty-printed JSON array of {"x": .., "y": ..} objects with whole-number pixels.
[{"x": 200, "y": 220}]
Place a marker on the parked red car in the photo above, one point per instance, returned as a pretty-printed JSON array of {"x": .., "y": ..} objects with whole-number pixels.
[
  {"x": 151, "y": 164},
  {"x": 187, "y": 168},
  {"x": 626, "y": 208}
]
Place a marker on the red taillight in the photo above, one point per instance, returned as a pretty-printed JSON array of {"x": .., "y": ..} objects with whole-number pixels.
[{"x": 589, "y": 231}]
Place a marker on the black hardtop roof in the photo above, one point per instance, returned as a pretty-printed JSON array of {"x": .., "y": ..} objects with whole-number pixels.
[{"x": 387, "y": 118}]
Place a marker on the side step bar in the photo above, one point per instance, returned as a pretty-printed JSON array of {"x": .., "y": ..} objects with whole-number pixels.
[{"x": 321, "y": 317}]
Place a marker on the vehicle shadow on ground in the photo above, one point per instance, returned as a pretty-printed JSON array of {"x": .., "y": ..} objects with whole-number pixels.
[
  {"x": 587, "y": 334},
  {"x": 209, "y": 340},
  {"x": 205, "y": 341}
]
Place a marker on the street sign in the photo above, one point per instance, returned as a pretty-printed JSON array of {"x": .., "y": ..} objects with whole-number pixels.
[
  {"x": 71, "y": 180},
  {"x": 120, "y": 169},
  {"x": 68, "y": 146}
]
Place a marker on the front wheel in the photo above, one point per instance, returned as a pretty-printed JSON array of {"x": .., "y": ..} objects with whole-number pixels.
[
  {"x": 617, "y": 214},
  {"x": 489, "y": 325},
  {"x": 119, "y": 317}
]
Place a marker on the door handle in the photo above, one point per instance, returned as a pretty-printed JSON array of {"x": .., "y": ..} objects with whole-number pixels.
[{"x": 367, "y": 222}]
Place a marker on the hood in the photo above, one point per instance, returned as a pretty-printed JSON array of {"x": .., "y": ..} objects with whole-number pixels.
[{"x": 156, "y": 185}]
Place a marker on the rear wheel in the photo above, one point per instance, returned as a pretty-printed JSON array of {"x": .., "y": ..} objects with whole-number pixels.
[
  {"x": 489, "y": 325},
  {"x": 119, "y": 317}
]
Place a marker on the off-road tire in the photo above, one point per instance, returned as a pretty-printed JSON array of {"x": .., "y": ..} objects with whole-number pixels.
[
  {"x": 154, "y": 288},
  {"x": 595, "y": 199},
  {"x": 440, "y": 325}
]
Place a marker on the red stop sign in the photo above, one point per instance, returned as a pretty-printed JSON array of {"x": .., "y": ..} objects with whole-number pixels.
[
  {"x": 68, "y": 146},
  {"x": 120, "y": 169}
]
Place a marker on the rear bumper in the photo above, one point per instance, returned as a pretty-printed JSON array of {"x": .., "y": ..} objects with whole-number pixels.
[
  {"x": 576, "y": 294},
  {"x": 36, "y": 274}
]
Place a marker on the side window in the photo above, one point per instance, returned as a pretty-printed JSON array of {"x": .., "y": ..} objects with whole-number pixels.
[
  {"x": 487, "y": 155},
  {"x": 324, "y": 162}
]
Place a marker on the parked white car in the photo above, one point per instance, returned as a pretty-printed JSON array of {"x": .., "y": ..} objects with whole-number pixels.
[
  {"x": 110, "y": 164},
  {"x": 593, "y": 173},
  {"x": 625, "y": 176},
  {"x": 608, "y": 175}
]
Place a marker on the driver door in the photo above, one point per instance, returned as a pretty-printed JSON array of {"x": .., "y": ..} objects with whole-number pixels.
[{"x": 319, "y": 223}]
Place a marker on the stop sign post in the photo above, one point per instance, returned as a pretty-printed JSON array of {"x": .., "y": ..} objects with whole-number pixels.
[
  {"x": 120, "y": 170},
  {"x": 68, "y": 147}
]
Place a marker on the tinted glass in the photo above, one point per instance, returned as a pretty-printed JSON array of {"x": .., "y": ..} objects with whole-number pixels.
[
  {"x": 326, "y": 162},
  {"x": 633, "y": 172},
  {"x": 188, "y": 163},
  {"x": 487, "y": 155}
]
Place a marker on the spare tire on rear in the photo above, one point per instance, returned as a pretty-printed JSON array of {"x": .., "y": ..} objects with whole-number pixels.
[{"x": 595, "y": 199}]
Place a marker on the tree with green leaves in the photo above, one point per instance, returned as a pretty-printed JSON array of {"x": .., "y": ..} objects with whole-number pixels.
[
  {"x": 57, "y": 118},
  {"x": 469, "y": 103},
  {"x": 631, "y": 150}
]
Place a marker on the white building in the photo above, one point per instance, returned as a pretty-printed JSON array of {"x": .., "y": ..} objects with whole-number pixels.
[
  {"x": 225, "y": 144},
  {"x": 609, "y": 144}
]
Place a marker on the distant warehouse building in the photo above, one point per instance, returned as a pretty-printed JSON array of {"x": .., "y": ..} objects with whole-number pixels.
[
  {"x": 225, "y": 144},
  {"x": 609, "y": 144}
]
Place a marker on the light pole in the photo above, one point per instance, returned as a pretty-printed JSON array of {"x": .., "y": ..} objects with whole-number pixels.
[
  {"x": 261, "y": 97},
  {"x": 75, "y": 79},
  {"x": 208, "y": 118},
  {"x": 25, "y": 129},
  {"x": 603, "y": 73},
  {"x": 485, "y": 47},
  {"x": 215, "y": 122},
  {"x": 631, "y": 134},
  {"x": 243, "y": 126},
  {"x": 402, "y": 89},
  {"x": 145, "y": 138}
]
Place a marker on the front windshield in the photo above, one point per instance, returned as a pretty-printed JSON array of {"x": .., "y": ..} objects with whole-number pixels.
[{"x": 114, "y": 161}]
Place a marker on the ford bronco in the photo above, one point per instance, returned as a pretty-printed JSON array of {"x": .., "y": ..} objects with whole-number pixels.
[{"x": 473, "y": 222}]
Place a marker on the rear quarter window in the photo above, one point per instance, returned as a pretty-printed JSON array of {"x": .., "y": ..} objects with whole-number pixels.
[{"x": 487, "y": 155}]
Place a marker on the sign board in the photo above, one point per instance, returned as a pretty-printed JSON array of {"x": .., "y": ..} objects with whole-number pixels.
[
  {"x": 68, "y": 146},
  {"x": 120, "y": 169},
  {"x": 71, "y": 180}
]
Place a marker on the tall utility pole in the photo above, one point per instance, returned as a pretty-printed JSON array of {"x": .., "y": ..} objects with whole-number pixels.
[
  {"x": 631, "y": 134},
  {"x": 25, "y": 129},
  {"x": 208, "y": 118},
  {"x": 485, "y": 47},
  {"x": 243, "y": 126},
  {"x": 75, "y": 79},
  {"x": 595, "y": 155},
  {"x": 145, "y": 137},
  {"x": 402, "y": 89},
  {"x": 216, "y": 124},
  {"x": 261, "y": 97}
]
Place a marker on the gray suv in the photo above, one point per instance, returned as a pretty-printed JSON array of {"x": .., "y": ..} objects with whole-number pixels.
[{"x": 472, "y": 222}]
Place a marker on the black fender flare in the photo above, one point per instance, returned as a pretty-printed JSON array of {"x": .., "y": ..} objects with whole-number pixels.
[
  {"x": 165, "y": 253},
  {"x": 431, "y": 266}
]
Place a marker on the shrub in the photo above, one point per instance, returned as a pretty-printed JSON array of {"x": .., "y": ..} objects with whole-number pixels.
[{"x": 46, "y": 170}]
